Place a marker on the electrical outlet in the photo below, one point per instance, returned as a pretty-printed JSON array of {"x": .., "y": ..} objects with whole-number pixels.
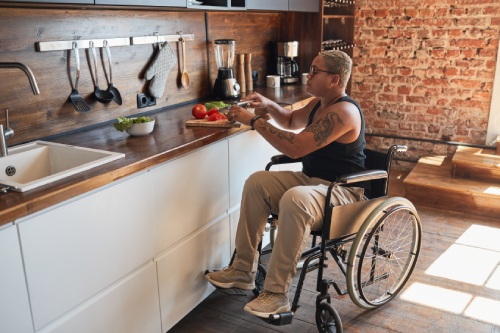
[{"x": 144, "y": 100}]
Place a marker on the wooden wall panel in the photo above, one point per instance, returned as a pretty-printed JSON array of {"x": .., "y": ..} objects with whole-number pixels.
[
  {"x": 253, "y": 33},
  {"x": 50, "y": 113}
]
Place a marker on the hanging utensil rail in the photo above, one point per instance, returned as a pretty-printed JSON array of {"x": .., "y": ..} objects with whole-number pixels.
[
  {"x": 159, "y": 39},
  {"x": 124, "y": 41}
]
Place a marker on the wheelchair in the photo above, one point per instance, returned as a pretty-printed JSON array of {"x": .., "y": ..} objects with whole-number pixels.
[{"x": 384, "y": 236}]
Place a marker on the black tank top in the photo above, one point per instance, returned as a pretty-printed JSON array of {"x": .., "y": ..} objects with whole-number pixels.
[{"x": 335, "y": 159}]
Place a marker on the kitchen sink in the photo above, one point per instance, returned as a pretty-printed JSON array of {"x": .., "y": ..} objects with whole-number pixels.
[{"x": 38, "y": 163}]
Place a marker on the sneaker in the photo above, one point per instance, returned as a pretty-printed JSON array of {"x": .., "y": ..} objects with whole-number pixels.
[
  {"x": 231, "y": 277},
  {"x": 268, "y": 303}
]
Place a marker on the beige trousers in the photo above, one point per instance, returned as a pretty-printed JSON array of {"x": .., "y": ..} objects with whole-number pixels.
[{"x": 299, "y": 200}]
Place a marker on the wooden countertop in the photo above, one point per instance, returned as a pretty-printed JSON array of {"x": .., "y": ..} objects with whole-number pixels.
[{"x": 170, "y": 139}]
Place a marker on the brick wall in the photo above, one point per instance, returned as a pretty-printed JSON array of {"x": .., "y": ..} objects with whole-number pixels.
[{"x": 425, "y": 69}]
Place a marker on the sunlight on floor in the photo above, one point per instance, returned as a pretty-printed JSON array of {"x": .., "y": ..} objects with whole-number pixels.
[
  {"x": 473, "y": 259},
  {"x": 492, "y": 190},
  {"x": 484, "y": 309},
  {"x": 461, "y": 263},
  {"x": 437, "y": 297}
]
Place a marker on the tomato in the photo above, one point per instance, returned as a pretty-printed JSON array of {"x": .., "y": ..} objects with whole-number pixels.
[
  {"x": 216, "y": 116},
  {"x": 199, "y": 111},
  {"x": 210, "y": 112}
]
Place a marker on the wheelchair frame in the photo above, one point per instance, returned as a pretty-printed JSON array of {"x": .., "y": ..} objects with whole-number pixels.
[{"x": 395, "y": 214}]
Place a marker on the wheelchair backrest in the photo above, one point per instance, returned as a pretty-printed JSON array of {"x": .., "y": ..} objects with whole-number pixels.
[{"x": 378, "y": 161}]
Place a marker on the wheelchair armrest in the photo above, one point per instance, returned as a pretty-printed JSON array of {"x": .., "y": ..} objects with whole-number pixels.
[
  {"x": 281, "y": 159},
  {"x": 362, "y": 176}
]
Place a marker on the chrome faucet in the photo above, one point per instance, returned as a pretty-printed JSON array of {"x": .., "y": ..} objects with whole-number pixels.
[{"x": 8, "y": 132}]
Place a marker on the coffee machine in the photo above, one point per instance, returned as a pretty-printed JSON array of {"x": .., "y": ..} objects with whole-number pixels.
[
  {"x": 286, "y": 65},
  {"x": 225, "y": 86}
]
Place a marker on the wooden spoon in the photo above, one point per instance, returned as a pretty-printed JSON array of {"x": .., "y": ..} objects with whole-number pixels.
[{"x": 184, "y": 75}]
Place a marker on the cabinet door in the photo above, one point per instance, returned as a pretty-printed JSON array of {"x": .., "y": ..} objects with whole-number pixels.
[
  {"x": 129, "y": 306},
  {"x": 14, "y": 304},
  {"x": 181, "y": 270},
  {"x": 79, "y": 248},
  {"x": 90, "y": 2},
  {"x": 267, "y": 5},
  {"x": 189, "y": 192},
  {"x": 164, "y": 3},
  {"x": 304, "y": 6},
  {"x": 248, "y": 152}
]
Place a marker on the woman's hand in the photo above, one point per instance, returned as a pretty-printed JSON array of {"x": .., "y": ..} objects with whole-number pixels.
[
  {"x": 257, "y": 101},
  {"x": 239, "y": 114}
]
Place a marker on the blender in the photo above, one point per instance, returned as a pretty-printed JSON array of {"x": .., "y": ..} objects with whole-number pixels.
[{"x": 225, "y": 86}]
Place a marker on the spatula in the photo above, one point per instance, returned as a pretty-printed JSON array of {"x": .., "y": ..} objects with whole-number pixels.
[{"x": 75, "y": 98}]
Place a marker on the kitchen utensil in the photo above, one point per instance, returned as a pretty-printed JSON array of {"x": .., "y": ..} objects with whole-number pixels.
[
  {"x": 240, "y": 73},
  {"x": 225, "y": 85},
  {"x": 75, "y": 98},
  {"x": 248, "y": 72},
  {"x": 158, "y": 71},
  {"x": 225, "y": 109},
  {"x": 184, "y": 75},
  {"x": 102, "y": 96},
  {"x": 117, "y": 97}
]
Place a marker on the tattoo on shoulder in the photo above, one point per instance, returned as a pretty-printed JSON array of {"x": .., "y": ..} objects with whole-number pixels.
[
  {"x": 324, "y": 127},
  {"x": 284, "y": 135}
]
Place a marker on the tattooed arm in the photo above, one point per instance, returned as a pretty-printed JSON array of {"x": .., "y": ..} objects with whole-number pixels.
[{"x": 339, "y": 122}]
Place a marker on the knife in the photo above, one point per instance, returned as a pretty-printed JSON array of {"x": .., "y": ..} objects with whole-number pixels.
[{"x": 226, "y": 108}]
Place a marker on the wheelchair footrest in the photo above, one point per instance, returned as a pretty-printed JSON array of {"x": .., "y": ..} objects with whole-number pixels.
[{"x": 284, "y": 318}]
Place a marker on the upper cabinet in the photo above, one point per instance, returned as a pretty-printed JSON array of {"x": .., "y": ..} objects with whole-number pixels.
[
  {"x": 217, "y": 4},
  {"x": 284, "y": 5},
  {"x": 304, "y": 6},
  {"x": 89, "y": 2},
  {"x": 163, "y": 3}
]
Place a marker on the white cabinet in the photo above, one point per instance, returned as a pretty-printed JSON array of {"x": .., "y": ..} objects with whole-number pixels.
[
  {"x": 164, "y": 3},
  {"x": 217, "y": 4},
  {"x": 189, "y": 192},
  {"x": 129, "y": 306},
  {"x": 78, "y": 249},
  {"x": 90, "y": 2},
  {"x": 182, "y": 285},
  {"x": 281, "y": 5},
  {"x": 15, "y": 316},
  {"x": 284, "y": 5},
  {"x": 248, "y": 152},
  {"x": 304, "y": 5}
]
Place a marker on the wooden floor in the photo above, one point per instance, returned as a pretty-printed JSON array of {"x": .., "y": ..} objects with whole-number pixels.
[{"x": 455, "y": 288}]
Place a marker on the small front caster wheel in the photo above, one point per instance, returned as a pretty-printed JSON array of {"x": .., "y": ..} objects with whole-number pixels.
[{"x": 328, "y": 319}]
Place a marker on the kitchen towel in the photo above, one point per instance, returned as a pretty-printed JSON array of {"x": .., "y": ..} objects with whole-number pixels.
[{"x": 158, "y": 70}]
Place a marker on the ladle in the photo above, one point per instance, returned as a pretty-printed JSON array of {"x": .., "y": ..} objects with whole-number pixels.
[
  {"x": 184, "y": 75},
  {"x": 116, "y": 94},
  {"x": 102, "y": 96}
]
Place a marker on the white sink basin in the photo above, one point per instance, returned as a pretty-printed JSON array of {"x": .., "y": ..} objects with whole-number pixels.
[{"x": 38, "y": 163}]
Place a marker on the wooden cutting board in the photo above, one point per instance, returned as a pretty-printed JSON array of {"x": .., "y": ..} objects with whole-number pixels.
[{"x": 206, "y": 123}]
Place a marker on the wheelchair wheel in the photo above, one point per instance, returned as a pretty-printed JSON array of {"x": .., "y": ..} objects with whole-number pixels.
[
  {"x": 260, "y": 277},
  {"x": 384, "y": 253},
  {"x": 328, "y": 319}
]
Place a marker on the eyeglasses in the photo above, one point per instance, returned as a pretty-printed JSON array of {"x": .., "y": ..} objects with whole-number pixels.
[{"x": 313, "y": 70}]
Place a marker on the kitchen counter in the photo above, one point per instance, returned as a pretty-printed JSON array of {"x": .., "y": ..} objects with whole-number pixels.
[{"x": 170, "y": 139}]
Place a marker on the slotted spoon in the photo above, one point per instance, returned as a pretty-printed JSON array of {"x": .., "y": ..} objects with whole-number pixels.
[{"x": 75, "y": 98}]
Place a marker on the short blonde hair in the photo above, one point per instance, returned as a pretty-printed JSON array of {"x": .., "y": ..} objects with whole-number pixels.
[{"x": 338, "y": 62}]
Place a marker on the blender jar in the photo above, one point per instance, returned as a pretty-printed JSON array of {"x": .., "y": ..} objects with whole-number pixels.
[{"x": 225, "y": 53}]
